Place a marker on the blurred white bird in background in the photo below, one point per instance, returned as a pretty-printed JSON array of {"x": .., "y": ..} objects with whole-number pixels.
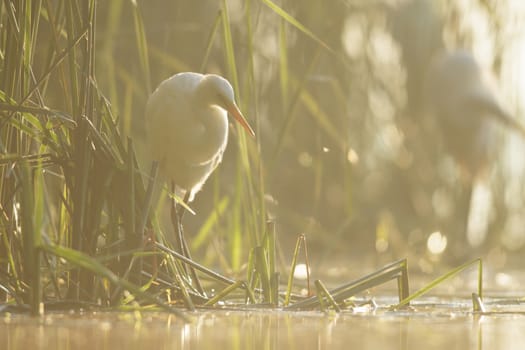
[
  {"x": 453, "y": 104},
  {"x": 468, "y": 112},
  {"x": 187, "y": 133},
  {"x": 471, "y": 121}
]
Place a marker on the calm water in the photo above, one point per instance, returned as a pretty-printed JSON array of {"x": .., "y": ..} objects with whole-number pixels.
[{"x": 434, "y": 324}]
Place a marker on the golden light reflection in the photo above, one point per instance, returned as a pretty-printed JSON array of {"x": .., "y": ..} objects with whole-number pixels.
[
  {"x": 437, "y": 243},
  {"x": 301, "y": 272},
  {"x": 353, "y": 36},
  {"x": 352, "y": 156}
]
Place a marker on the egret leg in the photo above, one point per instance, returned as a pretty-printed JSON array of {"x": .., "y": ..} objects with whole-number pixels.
[
  {"x": 177, "y": 212},
  {"x": 177, "y": 225}
]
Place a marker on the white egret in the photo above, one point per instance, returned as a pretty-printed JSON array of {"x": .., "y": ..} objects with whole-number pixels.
[
  {"x": 187, "y": 133},
  {"x": 187, "y": 127}
]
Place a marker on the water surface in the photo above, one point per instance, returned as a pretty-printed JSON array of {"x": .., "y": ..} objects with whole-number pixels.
[{"x": 431, "y": 324}]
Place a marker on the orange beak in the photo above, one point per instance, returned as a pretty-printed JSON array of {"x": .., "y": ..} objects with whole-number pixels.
[{"x": 236, "y": 113}]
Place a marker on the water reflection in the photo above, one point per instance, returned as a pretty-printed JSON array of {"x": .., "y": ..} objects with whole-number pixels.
[{"x": 428, "y": 328}]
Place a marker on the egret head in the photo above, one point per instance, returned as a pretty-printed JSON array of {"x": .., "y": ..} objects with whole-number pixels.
[
  {"x": 217, "y": 87},
  {"x": 216, "y": 90}
]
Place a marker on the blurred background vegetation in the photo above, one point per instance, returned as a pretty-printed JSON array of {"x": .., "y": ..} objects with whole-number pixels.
[
  {"x": 346, "y": 158},
  {"x": 333, "y": 89}
]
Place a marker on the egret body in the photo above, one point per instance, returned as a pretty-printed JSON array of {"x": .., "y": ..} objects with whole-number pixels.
[
  {"x": 187, "y": 133},
  {"x": 187, "y": 127}
]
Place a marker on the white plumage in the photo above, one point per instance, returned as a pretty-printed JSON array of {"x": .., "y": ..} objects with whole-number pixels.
[{"x": 187, "y": 127}]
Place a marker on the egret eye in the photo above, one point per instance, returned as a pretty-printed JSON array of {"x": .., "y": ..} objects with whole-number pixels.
[{"x": 223, "y": 101}]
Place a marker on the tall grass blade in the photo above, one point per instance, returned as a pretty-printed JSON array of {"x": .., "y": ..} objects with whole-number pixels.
[
  {"x": 31, "y": 240},
  {"x": 300, "y": 241},
  {"x": 271, "y": 247},
  {"x": 284, "y": 77},
  {"x": 290, "y": 19},
  {"x": 142, "y": 47},
  {"x": 261, "y": 269},
  {"x": 211, "y": 40}
]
